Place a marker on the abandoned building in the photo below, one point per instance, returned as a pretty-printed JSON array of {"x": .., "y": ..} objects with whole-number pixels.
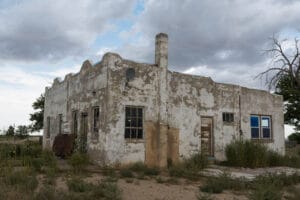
[{"x": 127, "y": 112}]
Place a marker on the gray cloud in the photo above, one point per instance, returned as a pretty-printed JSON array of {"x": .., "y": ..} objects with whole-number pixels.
[
  {"x": 35, "y": 30},
  {"x": 199, "y": 31},
  {"x": 227, "y": 35}
]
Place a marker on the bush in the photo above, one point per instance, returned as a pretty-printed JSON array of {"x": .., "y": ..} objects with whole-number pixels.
[
  {"x": 78, "y": 161},
  {"x": 197, "y": 161},
  {"x": 106, "y": 190},
  {"x": 245, "y": 153},
  {"x": 224, "y": 182},
  {"x": 78, "y": 185},
  {"x": 126, "y": 173},
  {"x": 265, "y": 191},
  {"x": 190, "y": 167},
  {"x": 21, "y": 179},
  {"x": 295, "y": 137}
]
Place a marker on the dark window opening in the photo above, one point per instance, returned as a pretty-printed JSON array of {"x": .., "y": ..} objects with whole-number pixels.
[
  {"x": 133, "y": 122},
  {"x": 60, "y": 124},
  {"x": 96, "y": 119},
  {"x": 228, "y": 117},
  {"x": 75, "y": 122},
  {"x": 48, "y": 127}
]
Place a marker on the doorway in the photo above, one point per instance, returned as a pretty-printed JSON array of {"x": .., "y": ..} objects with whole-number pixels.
[
  {"x": 207, "y": 143},
  {"x": 83, "y": 133}
]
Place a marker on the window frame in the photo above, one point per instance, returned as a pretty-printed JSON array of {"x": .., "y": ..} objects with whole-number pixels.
[
  {"x": 60, "y": 122},
  {"x": 260, "y": 127},
  {"x": 137, "y": 127},
  {"x": 226, "y": 116},
  {"x": 96, "y": 120},
  {"x": 75, "y": 122},
  {"x": 48, "y": 127}
]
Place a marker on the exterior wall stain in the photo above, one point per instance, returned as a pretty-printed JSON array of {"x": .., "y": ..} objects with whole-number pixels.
[{"x": 173, "y": 105}]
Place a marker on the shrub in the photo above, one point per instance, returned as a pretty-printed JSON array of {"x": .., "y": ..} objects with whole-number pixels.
[
  {"x": 22, "y": 180},
  {"x": 197, "y": 161},
  {"x": 78, "y": 185},
  {"x": 126, "y": 173},
  {"x": 295, "y": 137},
  {"x": 106, "y": 190},
  {"x": 151, "y": 171},
  {"x": 265, "y": 191},
  {"x": 78, "y": 161},
  {"x": 190, "y": 167},
  {"x": 224, "y": 182},
  {"x": 245, "y": 153},
  {"x": 138, "y": 167}
]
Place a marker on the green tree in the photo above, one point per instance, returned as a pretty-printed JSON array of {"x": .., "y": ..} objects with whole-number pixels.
[
  {"x": 22, "y": 131},
  {"x": 38, "y": 117},
  {"x": 284, "y": 76},
  {"x": 10, "y": 131},
  {"x": 291, "y": 96}
]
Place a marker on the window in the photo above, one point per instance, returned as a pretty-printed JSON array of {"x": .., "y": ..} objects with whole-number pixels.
[
  {"x": 228, "y": 117},
  {"x": 96, "y": 114},
  {"x": 133, "y": 122},
  {"x": 60, "y": 124},
  {"x": 75, "y": 122},
  {"x": 260, "y": 127},
  {"x": 48, "y": 127}
]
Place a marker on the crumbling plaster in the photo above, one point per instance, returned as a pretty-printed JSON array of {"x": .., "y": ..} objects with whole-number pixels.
[{"x": 173, "y": 106}]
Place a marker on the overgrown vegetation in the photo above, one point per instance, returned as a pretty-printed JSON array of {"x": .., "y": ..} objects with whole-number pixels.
[
  {"x": 138, "y": 170},
  {"x": 190, "y": 167},
  {"x": 269, "y": 186},
  {"x": 78, "y": 161},
  {"x": 246, "y": 153}
]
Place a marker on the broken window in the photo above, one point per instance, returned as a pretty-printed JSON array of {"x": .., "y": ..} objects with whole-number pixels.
[
  {"x": 228, "y": 117},
  {"x": 260, "y": 126},
  {"x": 75, "y": 122},
  {"x": 48, "y": 127},
  {"x": 133, "y": 122},
  {"x": 96, "y": 114},
  {"x": 60, "y": 124}
]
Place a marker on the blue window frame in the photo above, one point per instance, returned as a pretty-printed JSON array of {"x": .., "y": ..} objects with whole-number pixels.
[
  {"x": 260, "y": 127},
  {"x": 254, "y": 126}
]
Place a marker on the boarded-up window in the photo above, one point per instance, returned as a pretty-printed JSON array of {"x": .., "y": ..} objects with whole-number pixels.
[
  {"x": 48, "y": 127},
  {"x": 60, "y": 124},
  {"x": 96, "y": 114},
  {"x": 133, "y": 122},
  {"x": 75, "y": 122}
]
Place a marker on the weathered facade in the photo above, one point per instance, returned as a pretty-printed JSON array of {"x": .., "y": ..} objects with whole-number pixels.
[{"x": 128, "y": 112}]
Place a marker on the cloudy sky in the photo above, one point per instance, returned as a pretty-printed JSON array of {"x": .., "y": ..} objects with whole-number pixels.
[{"x": 44, "y": 39}]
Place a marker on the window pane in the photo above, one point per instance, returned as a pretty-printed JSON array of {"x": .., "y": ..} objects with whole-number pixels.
[
  {"x": 127, "y": 133},
  {"x": 255, "y": 132},
  {"x": 133, "y": 112},
  {"x": 133, "y": 133},
  {"x": 133, "y": 122},
  {"x": 140, "y": 134},
  {"x": 127, "y": 122},
  {"x": 140, "y": 122},
  {"x": 254, "y": 121},
  {"x": 140, "y": 112},
  {"x": 266, "y": 133},
  {"x": 265, "y": 122},
  {"x": 127, "y": 111}
]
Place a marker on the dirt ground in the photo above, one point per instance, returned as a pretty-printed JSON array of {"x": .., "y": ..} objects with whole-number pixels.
[{"x": 150, "y": 189}]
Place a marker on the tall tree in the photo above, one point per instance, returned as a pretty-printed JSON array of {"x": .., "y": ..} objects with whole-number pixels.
[
  {"x": 284, "y": 76},
  {"x": 10, "y": 131},
  {"x": 38, "y": 117}
]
